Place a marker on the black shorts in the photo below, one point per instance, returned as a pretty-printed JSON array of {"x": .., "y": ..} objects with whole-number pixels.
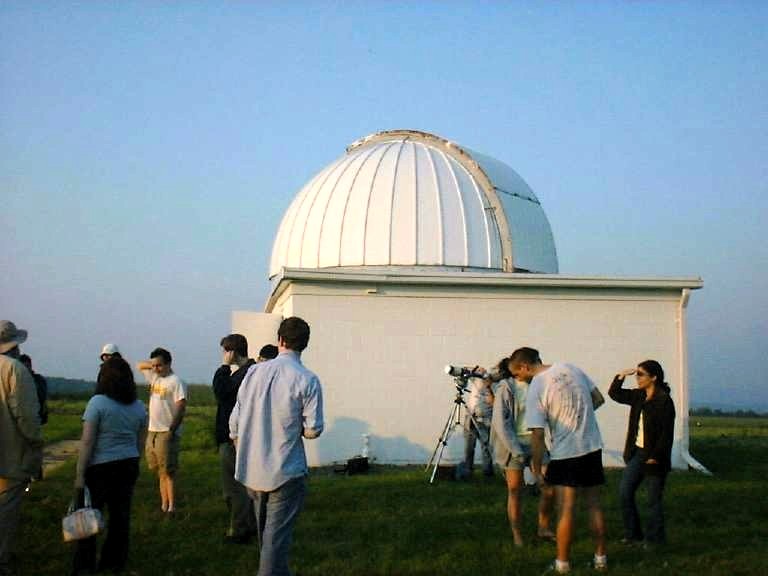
[{"x": 579, "y": 472}]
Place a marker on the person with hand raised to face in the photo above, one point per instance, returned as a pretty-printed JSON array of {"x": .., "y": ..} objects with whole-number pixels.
[{"x": 648, "y": 448}]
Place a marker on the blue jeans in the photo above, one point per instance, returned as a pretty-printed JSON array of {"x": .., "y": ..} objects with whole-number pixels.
[
  {"x": 635, "y": 472},
  {"x": 276, "y": 514},
  {"x": 472, "y": 436}
]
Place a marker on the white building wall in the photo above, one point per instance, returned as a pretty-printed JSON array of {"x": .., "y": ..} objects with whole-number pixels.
[
  {"x": 258, "y": 328},
  {"x": 380, "y": 353}
]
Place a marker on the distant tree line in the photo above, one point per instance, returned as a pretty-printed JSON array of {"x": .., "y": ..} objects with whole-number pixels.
[
  {"x": 730, "y": 413},
  {"x": 69, "y": 387}
]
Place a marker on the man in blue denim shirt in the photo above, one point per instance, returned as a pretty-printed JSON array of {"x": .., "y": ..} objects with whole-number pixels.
[{"x": 279, "y": 403}]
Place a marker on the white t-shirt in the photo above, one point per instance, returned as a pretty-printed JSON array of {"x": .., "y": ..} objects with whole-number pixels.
[
  {"x": 640, "y": 440},
  {"x": 164, "y": 392},
  {"x": 560, "y": 401}
]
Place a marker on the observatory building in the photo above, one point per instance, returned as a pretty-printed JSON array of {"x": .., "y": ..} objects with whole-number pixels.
[{"x": 411, "y": 252}]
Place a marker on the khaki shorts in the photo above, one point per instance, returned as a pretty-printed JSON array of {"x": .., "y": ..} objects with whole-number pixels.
[
  {"x": 521, "y": 461},
  {"x": 163, "y": 451}
]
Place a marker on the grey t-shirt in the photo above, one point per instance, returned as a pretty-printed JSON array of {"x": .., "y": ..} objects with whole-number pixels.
[{"x": 117, "y": 428}]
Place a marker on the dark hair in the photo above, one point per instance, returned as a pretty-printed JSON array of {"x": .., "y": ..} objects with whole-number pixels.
[
  {"x": 503, "y": 368},
  {"x": 525, "y": 355},
  {"x": 653, "y": 368},
  {"x": 26, "y": 360},
  {"x": 116, "y": 381},
  {"x": 295, "y": 333},
  {"x": 161, "y": 353},
  {"x": 235, "y": 343},
  {"x": 268, "y": 351}
]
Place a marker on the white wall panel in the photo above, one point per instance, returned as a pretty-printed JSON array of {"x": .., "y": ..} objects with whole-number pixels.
[
  {"x": 334, "y": 211},
  {"x": 379, "y": 218},
  {"x": 380, "y": 357},
  {"x": 454, "y": 234},
  {"x": 404, "y": 213}
]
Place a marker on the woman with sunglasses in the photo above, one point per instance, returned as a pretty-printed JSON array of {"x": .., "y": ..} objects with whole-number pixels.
[{"x": 648, "y": 448}]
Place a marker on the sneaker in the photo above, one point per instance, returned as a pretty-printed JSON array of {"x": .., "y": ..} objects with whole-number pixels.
[
  {"x": 237, "y": 539},
  {"x": 552, "y": 569},
  {"x": 598, "y": 566},
  {"x": 546, "y": 535}
]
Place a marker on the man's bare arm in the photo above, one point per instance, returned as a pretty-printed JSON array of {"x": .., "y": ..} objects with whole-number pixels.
[
  {"x": 537, "y": 452},
  {"x": 178, "y": 416}
]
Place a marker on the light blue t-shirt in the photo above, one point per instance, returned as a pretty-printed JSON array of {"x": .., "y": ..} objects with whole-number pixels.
[{"x": 117, "y": 428}]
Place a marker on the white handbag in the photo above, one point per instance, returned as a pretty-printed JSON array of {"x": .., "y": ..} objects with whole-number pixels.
[{"x": 83, "y": 522}]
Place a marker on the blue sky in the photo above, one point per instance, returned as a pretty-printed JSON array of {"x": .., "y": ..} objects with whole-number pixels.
[{"x": 148, "y": 151}]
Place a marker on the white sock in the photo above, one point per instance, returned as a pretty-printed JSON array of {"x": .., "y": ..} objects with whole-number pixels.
[
  {"x": 601, "y": 560},
  {"x": 562, "y": 566}
]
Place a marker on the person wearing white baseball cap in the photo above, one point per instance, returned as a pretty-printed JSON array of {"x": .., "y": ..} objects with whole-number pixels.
[
  {"x": 109, "y": 351},
  {"x": 21, "y": 442}
]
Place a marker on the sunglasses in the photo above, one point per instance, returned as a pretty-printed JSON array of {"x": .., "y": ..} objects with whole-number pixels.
[{"x": 638, "y": 374}]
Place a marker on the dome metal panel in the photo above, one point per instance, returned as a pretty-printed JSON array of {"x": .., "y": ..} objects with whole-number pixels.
[{"x": 407, "y": 198}]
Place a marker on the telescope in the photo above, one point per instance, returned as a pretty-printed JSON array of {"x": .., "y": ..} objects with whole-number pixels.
[
  {"x": 463, "y": 372},
  {"x": 461, "y": 376}
]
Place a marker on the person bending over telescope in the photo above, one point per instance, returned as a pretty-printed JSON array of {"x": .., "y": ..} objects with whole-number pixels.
[
  {"x": 562, "y": 399},
  {"x": 477, "y": 424},
  {"x": 511, "y": 441}
]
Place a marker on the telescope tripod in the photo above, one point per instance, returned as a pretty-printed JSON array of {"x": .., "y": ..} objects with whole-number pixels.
[{"x": 454, "y": 419}]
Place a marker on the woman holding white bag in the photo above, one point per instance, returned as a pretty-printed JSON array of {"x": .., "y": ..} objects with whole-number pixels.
[{"x": 114, "y": 429}]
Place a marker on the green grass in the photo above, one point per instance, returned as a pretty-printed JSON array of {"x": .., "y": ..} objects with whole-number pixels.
[
  {"x": 63, "y": 419},
  {"x": 393, "y": 522}
]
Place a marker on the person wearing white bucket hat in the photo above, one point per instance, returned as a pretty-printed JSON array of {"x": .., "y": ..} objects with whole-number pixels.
[
  {"x": 20, "y": 438},
  {"x": 109, "y": 351}
]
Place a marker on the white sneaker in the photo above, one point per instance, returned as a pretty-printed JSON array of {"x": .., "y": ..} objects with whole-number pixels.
[{"x": 552, "y": 569}]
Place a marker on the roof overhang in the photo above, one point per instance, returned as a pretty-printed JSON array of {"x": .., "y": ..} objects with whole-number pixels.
[{"x": 421, "y": 277}]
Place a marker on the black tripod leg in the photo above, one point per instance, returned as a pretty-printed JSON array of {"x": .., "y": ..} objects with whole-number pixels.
[
  {"x": 443, "y": 442},
  {"x": 443, "y": 437}
]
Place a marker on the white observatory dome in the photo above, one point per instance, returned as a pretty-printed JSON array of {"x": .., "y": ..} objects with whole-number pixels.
[{"x": 408, "y": 198}]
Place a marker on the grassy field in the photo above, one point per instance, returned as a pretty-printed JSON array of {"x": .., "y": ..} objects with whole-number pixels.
[{"x": 392, "y": 522}]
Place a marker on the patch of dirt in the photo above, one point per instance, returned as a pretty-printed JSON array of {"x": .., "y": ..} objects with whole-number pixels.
[{"x": 56, "y": 454}]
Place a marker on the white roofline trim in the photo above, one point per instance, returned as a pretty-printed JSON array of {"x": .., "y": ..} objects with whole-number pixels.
[{"x": 462, "y": 278}]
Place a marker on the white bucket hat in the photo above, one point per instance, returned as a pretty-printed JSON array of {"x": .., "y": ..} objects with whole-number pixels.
[{"x": 109, "y": 349}]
